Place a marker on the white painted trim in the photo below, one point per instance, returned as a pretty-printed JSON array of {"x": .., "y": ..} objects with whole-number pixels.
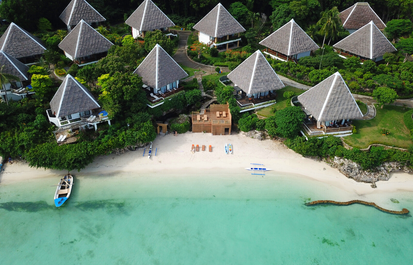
[
  {"x": 15, "y": 66},
  {"x": 377, "y": 15},
  {"x": 328, "y": 96},
  {"x": 78, "y": 38},
  {"x": 147, "y": 56},
  {"x": 239, "y": 24},
  {"x": 199, "y": 22},
  {"x": 156, "y": 66},
  {"x": 225, "y": 42},
  {"x": 354, "y": 7},
  {"x": 291, "y": 36},
  {"x": 61, "y": 99},
  {"x": 71, "y": 13},
  {"x": 174, "y": 62},
  {"x": 27, "y": 35},
  {"x": 162, "y": 12},
  {"x": 217, "y": 20},
  {"x": 305, "y": 34},
  {"x": 253, "y": 72},
  {"x": 354, "y": 100},
  {"x": 371, "y": 40},
  {"x": 384, "y": 37},
  {"x": 7, "y": 37},
  {"x": 143, "y": 15}
]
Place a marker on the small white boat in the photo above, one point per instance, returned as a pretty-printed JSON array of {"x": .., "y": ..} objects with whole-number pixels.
[
  {"x": 150, "y": 151},
  {"x": 226, "y": 149},
  {"x": 63, "y": 191},
  {"x": 257, "y": 169},
  {"x": 230, "y": 148}
]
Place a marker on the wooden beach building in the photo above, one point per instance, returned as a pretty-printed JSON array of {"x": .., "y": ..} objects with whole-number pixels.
[
  {"x": 358, "y": 15},
  {"x": 84, "y": 45},
  {"x": 289, "y": 43},
  {"x": 21, "y": 45},
  {"x": 216, "y": 120},
  {"x": 255, "y": 82},
  {"x": 77, "y": 10},
  {"x": 367, "y": 43},
  {"x": 160, "y": 75},
  {"x": 329, "y": 107},
  {"x": 148, "y": 17},
  {"x": 73, "y": 106},
  {"x": 219, "y": 29}
]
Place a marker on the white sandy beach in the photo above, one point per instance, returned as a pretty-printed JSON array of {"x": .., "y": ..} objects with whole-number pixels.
[{"x": 174, "y": 158}]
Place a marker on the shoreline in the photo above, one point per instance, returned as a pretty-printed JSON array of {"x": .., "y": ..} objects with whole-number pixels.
[{"x": 175, "y": 159}]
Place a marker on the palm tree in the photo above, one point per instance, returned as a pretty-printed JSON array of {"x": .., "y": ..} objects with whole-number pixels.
[
  {"x": 5, "y": 79},
  {"x": 330, "y": 24}
]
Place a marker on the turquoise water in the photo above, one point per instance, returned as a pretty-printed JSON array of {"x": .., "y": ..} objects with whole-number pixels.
[{"x": 134, "y": 219}]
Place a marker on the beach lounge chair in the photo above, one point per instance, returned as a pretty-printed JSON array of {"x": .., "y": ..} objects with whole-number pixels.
[
  {"x": 224, "y": 114},
  {"x": 217, "y": 114},
  {"x": 63, "y": 139},
  {"x": 210, "y": 148},
  {"x": 198, "y": 117},
  {"x": 203, "y": 147},
  {"x": 205, "y": 117},
  {"x": 197, "y": 148},
  {"x": 60, "y": 138}
]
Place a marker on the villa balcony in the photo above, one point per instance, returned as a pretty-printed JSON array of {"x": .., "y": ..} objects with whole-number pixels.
[
  {"x": 78, "y": 121},
  {"x": 336, "y": 130},
  {"x": 156, "y": 100}
]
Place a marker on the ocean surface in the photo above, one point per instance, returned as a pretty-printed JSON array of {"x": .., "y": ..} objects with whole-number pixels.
[{"x": 210, "y": 219}]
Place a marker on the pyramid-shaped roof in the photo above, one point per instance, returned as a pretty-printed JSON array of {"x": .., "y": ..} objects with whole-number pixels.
[
  {"x": 368, "y": 42},
  {"x": 148, "y": 17},
  {"x": 159, "y": 69},
  {"x": 331, "y": 100},
  {"x": 290, "y": 39},
  {"x": 83, "y": 41},
  {"x": 255, "y": 75},
  {"x": 78, "y": 10},
  {"x": 19, "y": 43},
  {"x": 72, "y": 97},
  {"x": 12, "y": 66},
  {"x": 359, "y": 15},
  {"x": 218, "y": 23}
]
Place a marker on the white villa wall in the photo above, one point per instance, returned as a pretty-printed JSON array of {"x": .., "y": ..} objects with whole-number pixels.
[
  {"x": 135, "y": 33},
  {"x": 203, "y": 38},
  {"x": 351, "y": 30}
]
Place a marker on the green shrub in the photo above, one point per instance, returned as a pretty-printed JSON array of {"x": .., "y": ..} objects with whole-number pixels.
[
  {"x": 247, "y": 122},
  {"x": 34, "y": 69},
  {"x": 60, "y": 72},
  {"x": 260, "y": 125},
  {"x": 354, "y": 86},
  {"x": 232, "y": 65},
  {"x": 288, "y": 94},
  {"x": 217, "y": 69},
  {"x": 180, "y": 124},
  {"x": 214, "y": 52}
]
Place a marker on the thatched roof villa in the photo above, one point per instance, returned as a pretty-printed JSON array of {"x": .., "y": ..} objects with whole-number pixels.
[
  {"x": 290, "y": 42},
  {"x": 77, "y": 10},
  {"x": 358, "y": 15}
]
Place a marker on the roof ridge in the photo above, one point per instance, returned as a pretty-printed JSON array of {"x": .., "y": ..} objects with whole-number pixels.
[
  {"x": 328, "y": 96},
  {"x": 15, "y": 66},
  {"x": 162, "y": 12},
  {"x": 384, "y": 36},
  {"x": 7, "y": 36},
  {"x": 349, "y": 15},
  {"x": 71, "y": 12},
  {"x": 295, "y": 23},
  {"x": 376, "y": 14},
  {"x": 78, "y": 37},
  {"x": 253, "y": 73},
  {"x": 272, "y": 68},
  {"x": 291, "y": 36},
  {"x": 205, "y": 16},
  {"x": 143, "y": 14}
]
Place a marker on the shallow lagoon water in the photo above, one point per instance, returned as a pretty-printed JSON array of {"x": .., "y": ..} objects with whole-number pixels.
[{"x": 213, "y": 219}]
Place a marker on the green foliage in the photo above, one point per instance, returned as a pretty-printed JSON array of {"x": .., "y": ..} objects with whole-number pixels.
[
  {"x": 384, "y": 95},
  {"x": 217, "y": 69},
  {"x": 223, "y": 93},
  {"x": 260, "y": 125},
  {"x": 214, "y": 52},
  {"x": 193, "y": 96},
  {"x": 281, "y": 15},
  {"x": 44, "y": 24},
  {"x": 352, "y": 63},
  {"x": 74, "y": 68},
  {"x": 407, "y": 118},
  {"x": 51, "y": 56},
  {"x": 328, "y": 60},
  {"x": 43, "y": 86},
  {"x": 60, "y": 71},
  {"x": 369, "y": 66},
  {"x": 240, "y": 12},
  {"x": 34, "y": 69},
  {"x": 330, "y": 24},
  {"x": 234, "y": 109},
  {"x": 288, "y": 94},
  {"x": 271, "y": 126},
  {"x": 405, "y": 45},
  {"x": 157, "y": 37},
  {"x": 316, "y": 76},
  {"x": 289, "y": 121},
  {"x": 305, "y": 10},
  {"x": 121, "y": 94},
  {"x": 193, "y": 84},
  {"x": 247, "y": 122},
  {"x": 180, "y": 124},
  {"x": 397, "y": 28},
  {"x": 128, "y": 40}
]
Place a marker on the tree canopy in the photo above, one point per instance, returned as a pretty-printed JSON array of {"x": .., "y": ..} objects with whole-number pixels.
[{"x": 289, "y": 121}]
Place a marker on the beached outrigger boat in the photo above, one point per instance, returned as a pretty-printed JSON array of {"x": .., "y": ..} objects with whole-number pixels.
[
  {"x": 230, "y": 148},
  {"x": 63, "y": 190},
  {"x": 226, "y": 149},
  {"x": 257, "y": 169}
]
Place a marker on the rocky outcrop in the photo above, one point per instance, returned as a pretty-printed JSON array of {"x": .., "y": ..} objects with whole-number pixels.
[
  {"x": 259, "y": 135},
  {"x": 354, "y": 170}
]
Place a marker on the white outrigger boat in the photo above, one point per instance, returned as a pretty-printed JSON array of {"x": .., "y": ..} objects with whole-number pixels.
[
  {"x": 63, "y": 190},
  {"x": 257, "y": 169},
  {"x": 226, "y": 149}
]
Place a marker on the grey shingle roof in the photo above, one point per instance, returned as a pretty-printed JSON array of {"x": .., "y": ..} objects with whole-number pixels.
[
  {"x": 159, "y": 69},
  {"x": 218, "y": 23},
  {"x": 72, "y": 97},
  {"x": 359, "y": 15},
  {"x": 12, "y": 66},
  {"x": 330, "y": 100},
  {"x": 148, "y": 17},
  {"x": 19, "y": 43},
  {"x": 83, "y": 41},
  {"x": 290, "y": 39},
  {"x": 77, "y": 10},
  {"x": 368, "y": 42},
  {"x": 255, "y": 75}
]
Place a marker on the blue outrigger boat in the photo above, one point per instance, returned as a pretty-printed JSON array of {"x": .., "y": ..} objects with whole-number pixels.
[
  {"x": 63, "y": 191},
  {"x": 226, "y": 149},
  {"x": 257, "y": 169}
]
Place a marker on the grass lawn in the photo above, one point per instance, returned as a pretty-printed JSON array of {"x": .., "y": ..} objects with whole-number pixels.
[
  {"x": 213, "y": 77},
  {"x": 362, "y": 106},
  {"x": 370, "y": 131},
  {"x": 189, "y": 70},
  {"x": 281, "y": 101}
]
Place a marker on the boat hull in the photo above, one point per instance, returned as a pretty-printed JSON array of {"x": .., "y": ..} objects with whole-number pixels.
[
  {"x": 257, "y": 169},
  {"x": 63, "y": 190}
]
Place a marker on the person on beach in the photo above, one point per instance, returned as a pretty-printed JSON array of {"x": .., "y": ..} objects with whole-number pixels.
[{"x": 10, "y": 161}]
